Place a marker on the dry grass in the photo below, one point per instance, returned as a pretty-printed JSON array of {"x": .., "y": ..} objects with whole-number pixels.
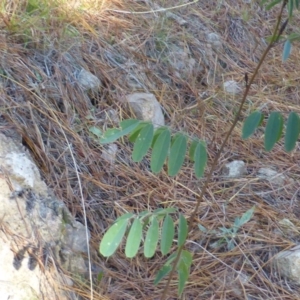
[{"x": 40, "y": 104}]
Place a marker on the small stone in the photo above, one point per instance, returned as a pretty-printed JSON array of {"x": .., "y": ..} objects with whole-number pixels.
[
  {"x": 235, "y": 169},
  {"x": 288, "y": 263},
  {"x": 271, "y": 175},
  {"x": 232, "y": 87},
  {"x": 88, "y": 81},
  {"x": 147, "y": 108},
  {"x": 215, "y": 41},
  {"x": 109, "y": 154}
]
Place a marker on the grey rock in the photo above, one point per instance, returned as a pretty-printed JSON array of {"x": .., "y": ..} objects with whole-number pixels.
[
  {"x": 232, "y": 87},
  {"x": 88, "y": 81},
  {"x": 271, "y": 175},
  {"x": 214, "y": 39},
  {"x": 234, "y": 169},
  {"x": 146, "y": 107},
  {"x": 288, "y": 264},
  {"x": 34, "y": 219}
]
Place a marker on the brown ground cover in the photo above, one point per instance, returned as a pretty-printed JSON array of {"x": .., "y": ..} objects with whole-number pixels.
[{"x": 42, "y": 106}]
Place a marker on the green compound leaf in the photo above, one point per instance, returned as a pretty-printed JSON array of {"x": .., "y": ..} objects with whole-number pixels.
[
  {"x": 292, "y": 131},
  {"x": 273, "y": 130},
  {"x": 134, "y": 239},
  {"x": 177, "y": 154},
  {"x": 151, "y": 239},
  {"x": 160, "y": 151},
  {"x": 163, "y": 272},
  {"x": 113, "y": 237},
  {"x": 167, "y": 236},
  {"x": 142, "y": 143},
  {"x": 251, "y": 123},
  {"x": 287, "y": 49},
  {"x": 200, "y": 159},
  {"x": 182, "y": 230}
]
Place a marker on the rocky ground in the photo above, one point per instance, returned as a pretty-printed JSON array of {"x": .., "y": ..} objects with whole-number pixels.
[{"x": 68, "y": 65}]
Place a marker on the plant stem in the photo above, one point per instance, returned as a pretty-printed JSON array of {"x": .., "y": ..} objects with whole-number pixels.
[{"x": 216, "y": 159}]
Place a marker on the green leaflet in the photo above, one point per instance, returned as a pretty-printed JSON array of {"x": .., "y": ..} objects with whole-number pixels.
[
  {"x": 251, "y": 123},
  {"x": 163, "y": 272},
  {"x": 167, "y": 236},
  {"x": 157, "y": 134},
  {"x": 160, "y": 150},
  {"x": 292, "y": 131},
  {"x": 134, "y": 238},
  {"x": 287, "y": 49},
  {"x": 129, "y": 125},
  {"x": 113, "y": 237},
  {"x": 290, "y": 7},
  {"x": 177, "y": 154},
  {"x": 182, "y": 230},
  {"x": 113, "y": 134},
  {"x": 135, "y": 133},
  {"x": 200, "y": 157},
  {"x": 273, "y": 3},
  {"x": 192, "y": 150},
  {"x": 273, "y": 130},
  {"x": 151, "y": 239},
  {"x": 183, "y": 269},
  {"x": 142, "y": 143},
  {"x": 96, "y": 131},
  {"x": 245, "y": 218},
  {"x": 164, "y": 211}
]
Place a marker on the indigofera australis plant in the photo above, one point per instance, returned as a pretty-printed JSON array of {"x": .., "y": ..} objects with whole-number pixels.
[{"x": 157, "y": 229}]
